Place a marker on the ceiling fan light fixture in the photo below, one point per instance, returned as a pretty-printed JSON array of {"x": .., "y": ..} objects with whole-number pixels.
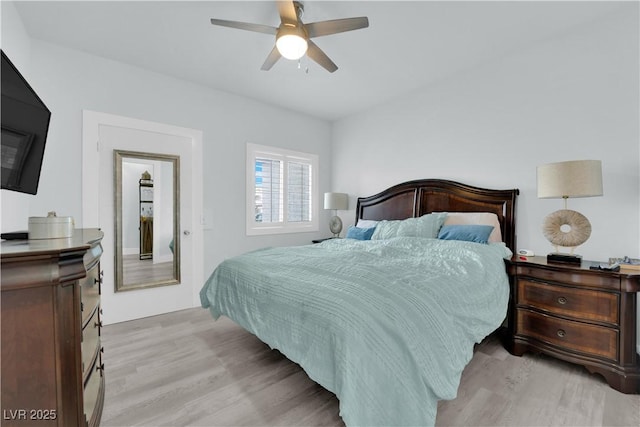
[
  {"x": 291, "y": 42},
  {"x": 293, "y": 37}
]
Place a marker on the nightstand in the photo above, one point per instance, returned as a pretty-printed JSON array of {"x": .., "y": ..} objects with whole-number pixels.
[
  {"x": 576, "y": 314},
  {"x": 322, "y": 240}
]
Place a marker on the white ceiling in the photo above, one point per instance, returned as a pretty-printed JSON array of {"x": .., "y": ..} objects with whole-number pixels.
[{"x": 408, "y": 45}]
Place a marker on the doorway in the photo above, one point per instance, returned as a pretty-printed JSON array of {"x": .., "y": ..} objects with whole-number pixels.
[{"x": 102, "y": 134}]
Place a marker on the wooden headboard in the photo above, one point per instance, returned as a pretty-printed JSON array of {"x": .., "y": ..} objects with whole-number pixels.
[{"x": 413, "y": 199}]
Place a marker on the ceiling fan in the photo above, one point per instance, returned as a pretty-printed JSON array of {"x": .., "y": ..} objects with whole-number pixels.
[{"x": 293, "y": 37}]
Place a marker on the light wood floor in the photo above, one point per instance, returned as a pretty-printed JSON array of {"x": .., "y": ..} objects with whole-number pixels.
[
  {"x": 136, "y": 270},
  {"x": 185, "y": 369}
]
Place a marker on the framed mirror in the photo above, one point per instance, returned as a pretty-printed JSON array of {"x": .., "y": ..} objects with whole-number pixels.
[{"x": 147, "y": 214}]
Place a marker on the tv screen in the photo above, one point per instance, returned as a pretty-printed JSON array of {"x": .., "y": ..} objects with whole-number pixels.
[{"x": 25, "y": 123}]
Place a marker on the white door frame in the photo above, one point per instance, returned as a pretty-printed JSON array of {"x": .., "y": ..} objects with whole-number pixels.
[{"x": 92, "y": 121}]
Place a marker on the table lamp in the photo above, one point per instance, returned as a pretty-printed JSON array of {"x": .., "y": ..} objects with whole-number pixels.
[
  {"x": 565, "y": 227},
  {"x": 336, "y": 201}
]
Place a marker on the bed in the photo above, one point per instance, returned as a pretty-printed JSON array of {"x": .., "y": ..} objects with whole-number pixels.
[{"x": 387, "y": 324}]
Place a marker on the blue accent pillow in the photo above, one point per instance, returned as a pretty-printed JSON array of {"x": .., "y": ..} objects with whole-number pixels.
[
  {"x": 360, "y": 233},
  {"x": 469, "y": 233}
]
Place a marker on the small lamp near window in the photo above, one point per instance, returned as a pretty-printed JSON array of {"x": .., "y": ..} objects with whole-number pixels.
[
  {"x": 568, "y": 228},
  {"x": 336, "y": 201}
]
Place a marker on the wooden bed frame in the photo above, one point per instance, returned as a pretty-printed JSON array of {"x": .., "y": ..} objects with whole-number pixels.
[{"x": 413, "y": 199}]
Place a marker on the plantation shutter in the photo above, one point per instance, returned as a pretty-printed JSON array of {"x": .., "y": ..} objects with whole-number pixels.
[
  {"x": 269, "y": 191},
  {"x": 298, "y": 192}
]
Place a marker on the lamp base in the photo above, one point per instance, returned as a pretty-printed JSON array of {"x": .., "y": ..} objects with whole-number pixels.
[
  {"x": 335, "y": 225},
  {"x": 560, "y": 258}
]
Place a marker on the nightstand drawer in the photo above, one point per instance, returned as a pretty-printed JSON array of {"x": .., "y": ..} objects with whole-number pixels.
[
  {"x": 570, "y": 277},
  {"x": 576, "y": 336},
  {"x": 578, "y": 303}
]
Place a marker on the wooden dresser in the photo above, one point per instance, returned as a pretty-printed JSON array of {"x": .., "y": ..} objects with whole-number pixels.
[
  {"x": 577, "y": 314},
  {"x": 52, "y": 371}
]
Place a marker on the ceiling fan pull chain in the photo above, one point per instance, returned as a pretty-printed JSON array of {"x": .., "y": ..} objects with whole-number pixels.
[{"x": 306, "y": 68}]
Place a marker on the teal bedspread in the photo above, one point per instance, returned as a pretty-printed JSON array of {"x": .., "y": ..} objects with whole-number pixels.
[{"x": 386, "y": 325}]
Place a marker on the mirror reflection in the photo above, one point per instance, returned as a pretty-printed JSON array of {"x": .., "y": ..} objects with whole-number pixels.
[{"x": 147, "y": 218}]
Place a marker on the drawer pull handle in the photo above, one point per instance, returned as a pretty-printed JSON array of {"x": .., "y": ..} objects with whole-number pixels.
[
  {"x": 562, "y": 300},
  {"x": 561, "y": 333}
]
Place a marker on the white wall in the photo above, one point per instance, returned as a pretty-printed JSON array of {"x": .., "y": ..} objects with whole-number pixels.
[{"x": 572, "y": 97}]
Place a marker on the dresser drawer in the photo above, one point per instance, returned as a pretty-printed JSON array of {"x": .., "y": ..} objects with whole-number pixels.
[
  {"x": 584, "y": 338},
  {"x": 92, "y": 389},
  {"x": 570, "y": 277},
  {"x": 577, "y": 303},
  {"x": 90, "y": 342},
  {"x": 90, "y": 293}
]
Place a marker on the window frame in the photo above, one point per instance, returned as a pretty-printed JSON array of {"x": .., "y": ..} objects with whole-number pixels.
[{"x": 253, "y": 228}]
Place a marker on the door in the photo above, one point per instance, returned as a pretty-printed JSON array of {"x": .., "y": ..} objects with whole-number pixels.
[{"x": 119, "y": 133}]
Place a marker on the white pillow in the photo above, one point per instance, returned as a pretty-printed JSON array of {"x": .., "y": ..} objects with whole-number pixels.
[
  {"x": 366, "y": 223},
  {"x": 425, "y": 226},
  {"x": 479, "y": 218}
]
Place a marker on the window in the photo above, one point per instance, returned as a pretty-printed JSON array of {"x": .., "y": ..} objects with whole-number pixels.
[{"x": 282, "y": 191}]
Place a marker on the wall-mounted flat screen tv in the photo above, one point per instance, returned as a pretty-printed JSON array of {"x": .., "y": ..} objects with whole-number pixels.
[{"x": 25, "y": 123}]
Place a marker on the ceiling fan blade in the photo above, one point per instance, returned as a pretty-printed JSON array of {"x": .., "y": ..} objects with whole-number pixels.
[
  {"x": 271, "y": 59},
  {"x": 258, "y": 28},
  {"x": 315, "y": 53},
  {"x": 287, "y": 10},
  {"x": 325, "y": 28}
]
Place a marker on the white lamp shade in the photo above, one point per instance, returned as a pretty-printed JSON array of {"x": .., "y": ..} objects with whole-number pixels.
[
  {"x": 576, "y": 178},
  {"x": 291, "y": 42},
  {"x": 336, "y": 201}
]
